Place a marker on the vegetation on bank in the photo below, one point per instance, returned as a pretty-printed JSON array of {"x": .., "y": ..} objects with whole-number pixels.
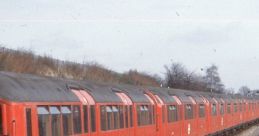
[{"x": 176, "y": 74}]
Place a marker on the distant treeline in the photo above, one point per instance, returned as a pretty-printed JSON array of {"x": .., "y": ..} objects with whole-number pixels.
[
  {"x": 25, "y": 61},
  {"x": 176, "y": 75}
]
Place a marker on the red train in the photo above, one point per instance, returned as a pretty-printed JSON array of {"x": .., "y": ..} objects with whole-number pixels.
[{"x": 43, "y": 106}]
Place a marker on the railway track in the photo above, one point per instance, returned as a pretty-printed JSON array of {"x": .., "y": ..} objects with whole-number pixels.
[{"x": 250, "y": 131}]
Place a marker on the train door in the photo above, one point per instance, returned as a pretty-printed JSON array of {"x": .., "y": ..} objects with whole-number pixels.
[
  {"x": 221, "y": 115},
  {"x": 174, "y": 117},
  {"x": 158, "y": 113},
  {"x": 145, "y": 119},
  {"x": 214, "y": 115},
  {"x": 127, "y": 103},
  {"x": 3, "y": 120},
  {"x": 28, "y": 121},
  {"x": 88, "y": 113},
  {"x": 189, "y": 123},
  {"x": 201, "y": 117}
]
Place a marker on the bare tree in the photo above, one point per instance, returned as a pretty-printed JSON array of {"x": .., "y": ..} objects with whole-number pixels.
[
  {"x": 230, "y": 91},
  {"x": 176, "y": 75},
  {"x": 244, "y": 90},
  {"x": 213, "y": 79}
]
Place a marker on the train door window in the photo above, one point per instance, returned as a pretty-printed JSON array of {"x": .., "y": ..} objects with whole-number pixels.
[
  {"x": 67, "y": 120},
  {"x": 214, "y": 110},
  {"x": 121, "y": 112},
  {"x": 131, "y": 116},
  {"x": 145, "y": 115},
  {"x": 229, "y": 108},
  {"x": 188, "y": 111},
  {"x": 221, "y": 109},
  {"x": 175, "y": 113},
  {"x": 103, "y": 118},
  {"x": 115, "y": 111},
  {"x": 201, "y": 111},
  {"x": 28, "y": 122},
  {"x": 93, "y": 118},
  {"x": 85, "y": 119},
  {"x": 151, "y": 113},
  {"x": 163, "y": 114},
  {"x": 235, "y": 107},
  {"x": 244, "y": 107},
  {"x": 109, "y": 117},
  {"x": 240, "y": 107},
  {"x": 77, "y": 119},
  {"x": 139, "y": 111},
  {"x": 44, "y": 121},
  {"x": 55, "y": 120},
  {"x": 126, "y": 116},
  {"x": 172, "y": 113}
]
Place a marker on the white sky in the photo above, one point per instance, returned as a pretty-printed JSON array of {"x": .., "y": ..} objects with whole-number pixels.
[{"x": 140, "y": 34}]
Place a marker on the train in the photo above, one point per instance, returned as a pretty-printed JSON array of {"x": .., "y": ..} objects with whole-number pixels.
[{"x": 32, "y": 105}]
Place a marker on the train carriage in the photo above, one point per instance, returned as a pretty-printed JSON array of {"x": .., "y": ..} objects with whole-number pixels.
[
  {"x": 188, "y": 106},
  {"x": 201, "y": 114},
  {"x": 144, "y": 110},
  {"x": 169, "y": 115},
  {"x": 43, "y": 106}
]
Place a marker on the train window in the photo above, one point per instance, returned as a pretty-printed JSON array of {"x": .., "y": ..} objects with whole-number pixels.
[
  {"x": 201, "y": 111},
  {"x": 109, "y": 117},
  {"x": 240, "y": 107},
  {"x": 150, "y": 114},
  {"x": 115, "y": 111},
  {"x": 235, "y": 107},
  {"x": 188, "y": 111},
  {"x": 229, "y": 108},
  {"x": 139, "y": 115},
  {"x": 85, "y": 119},
  {"x": 172, "y": 113},
  {"x": 77, "y": 119},
  {"x": 244, "y": 105},
  {"x": 221, "y": 109},
  {"x": 112, "y": 117},
  {"x": 163, "y": 113},
  {"x": 55, "y": 120},
  {"x": 67, "y": 120},
  {"x": 131, "y": 116},
  {"x": 28, "y": 122},
  {"x": 145, "y": 115},
  {"x": 126, "y": 116},
  {"x": 44, "y": 121},
  {"x": 93, "y": 118},
  {"x": 214, "y": 110},
  {"x": 103, "y": 118},
  {"x": 121, "y": 111}
]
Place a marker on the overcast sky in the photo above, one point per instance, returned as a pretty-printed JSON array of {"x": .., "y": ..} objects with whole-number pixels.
[{"x": 140, "y": 34}]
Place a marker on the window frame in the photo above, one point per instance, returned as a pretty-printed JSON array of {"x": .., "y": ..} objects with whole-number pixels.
[
  {"x": 45, "y": 116},
  {"x": 172, "y": 113},
  {"x": 110, "y": 117},
  {"x": 145, "y": 114},
  {"x": 202, "y": 111},
  {"x": 66, "y": 111},
  {"x": 78, "y": 120},
  {"x": 189, "y": 109},
  {"x": 28, "y": 126}
]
